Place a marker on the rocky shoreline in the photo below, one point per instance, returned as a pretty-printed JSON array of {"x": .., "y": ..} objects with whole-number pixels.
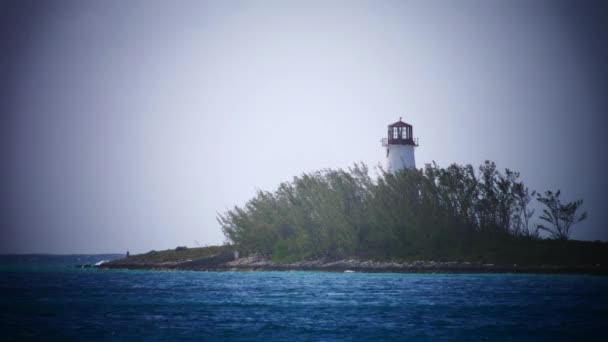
[{"x": 226, "y": 262}]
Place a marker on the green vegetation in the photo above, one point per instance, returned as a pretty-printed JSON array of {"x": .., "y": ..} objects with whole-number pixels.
[
  {"x": 177, "y": 254},
  {"x": 451, "y": 214},
  {"x": 560, "y": 216}
]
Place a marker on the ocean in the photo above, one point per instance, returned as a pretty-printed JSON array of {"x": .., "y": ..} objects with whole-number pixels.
[{"x": 47, "y": 298}]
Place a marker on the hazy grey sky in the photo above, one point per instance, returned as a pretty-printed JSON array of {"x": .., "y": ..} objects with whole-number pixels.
[{"x": 128, "y": 125}]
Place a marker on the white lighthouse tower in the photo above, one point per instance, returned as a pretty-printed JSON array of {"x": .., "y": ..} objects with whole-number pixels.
[{"x": 400, "y": 145}]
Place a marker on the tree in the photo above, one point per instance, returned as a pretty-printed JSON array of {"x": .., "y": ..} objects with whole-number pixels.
[
  {"x": 434, "y": 212},
  {"x": 560, "y": 216},
  {"x": 523, "y": 214}
]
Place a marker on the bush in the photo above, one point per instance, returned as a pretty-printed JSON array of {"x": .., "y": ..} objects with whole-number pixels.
[{"x": 446, "y": 213}]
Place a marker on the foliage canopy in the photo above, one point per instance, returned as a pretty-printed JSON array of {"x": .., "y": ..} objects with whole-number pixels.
[{"x": 434, "y": 212}]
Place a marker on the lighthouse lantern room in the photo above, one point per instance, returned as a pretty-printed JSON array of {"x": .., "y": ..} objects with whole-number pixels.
[{"x": 400, "y": 145}]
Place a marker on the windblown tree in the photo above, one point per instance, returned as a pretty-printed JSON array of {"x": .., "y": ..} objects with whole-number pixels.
[
  {"x": 560, "y": 216},
  {"x": 523, "y": 212},
  {"x": 423, "y": 213}
]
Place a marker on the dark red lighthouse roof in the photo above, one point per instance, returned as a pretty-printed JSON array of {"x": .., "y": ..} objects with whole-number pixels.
[
  {"x": 400, "y": 133},
  {"x": 400, "y": 124}
]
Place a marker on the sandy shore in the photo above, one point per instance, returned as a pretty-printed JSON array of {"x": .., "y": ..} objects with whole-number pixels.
[{"x": 225, "y": 262}]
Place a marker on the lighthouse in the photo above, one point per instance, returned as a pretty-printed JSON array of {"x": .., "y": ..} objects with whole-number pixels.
[{"x": 400, "y": 145}]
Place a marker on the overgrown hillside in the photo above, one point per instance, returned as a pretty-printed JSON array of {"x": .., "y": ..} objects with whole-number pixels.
[{"x": 454, "y": 213}]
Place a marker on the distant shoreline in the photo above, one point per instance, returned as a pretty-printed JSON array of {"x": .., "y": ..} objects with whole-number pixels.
[{"x": 225, "y": 262}]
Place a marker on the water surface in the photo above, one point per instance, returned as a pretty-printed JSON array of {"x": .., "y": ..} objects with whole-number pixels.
[{"x": 47, "y": 298}]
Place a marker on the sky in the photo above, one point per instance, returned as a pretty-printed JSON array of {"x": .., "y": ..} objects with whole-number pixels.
[{"x": 129, "y": 125}]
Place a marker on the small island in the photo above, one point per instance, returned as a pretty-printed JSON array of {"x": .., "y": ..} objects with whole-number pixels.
[
  {"x": 431, "y": 220},
  {"x": 221, "y": 258}
]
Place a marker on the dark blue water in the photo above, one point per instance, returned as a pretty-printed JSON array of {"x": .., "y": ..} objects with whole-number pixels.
[{"x": 47, "y": 299}]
